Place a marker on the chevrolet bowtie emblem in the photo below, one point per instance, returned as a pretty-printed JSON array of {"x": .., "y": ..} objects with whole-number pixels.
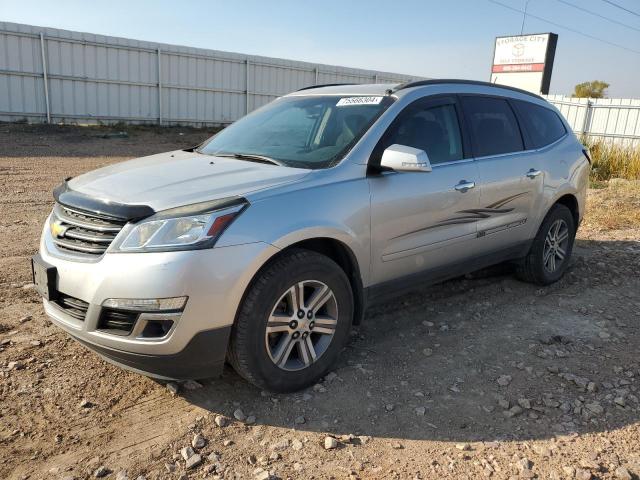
[{"x": 57, "y": 229}]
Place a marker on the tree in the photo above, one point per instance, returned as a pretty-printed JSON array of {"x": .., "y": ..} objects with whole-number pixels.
[{"x": 593, "y": 89}]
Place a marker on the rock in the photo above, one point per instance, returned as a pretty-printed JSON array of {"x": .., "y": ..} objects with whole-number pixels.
[
  {"x": 122, "y": 475},
  {"x": 86, "y": 404},
  {"x": 227, "y": 443},
  {"x": 569, "y": 471},
  {"x": 504, "y": 380},
  {"x": 191, "y": 385},
  {"x": 261, "y": 474},
  {"x": 281, "y": 445},
  {"x": 26, "y": 318},
  {"x": 623, "y": 474},
  {"x": 173, "y": 388},
  {"x": 389, "y": 407},
  {"x": 421, "y": 411},
  {"x": 331, "y": 376},
  {"x": 17, "y": 365},
  {"x": 187, "y": 452},
  {"x": 300, "y": 420},
  {"x": 101, "y": 471},
  {"x": 397, "y": 446},
  {"x": 513, "y": 411},
  {"x": 239, "y": 415},
  {"x": 595, "y": 408},
  {"x": 582, "y": 474},
  {"x": 193, "y": 461},
  {"x": 620, "y": 401},
  {"x": 463, "y": 446},
  {"x": 524, "y": 403},
  {"x": 330, "y": 443},
  {"x": 306, "y": 397},
  {"x": 428, "y": 352},
  {"x": 524, "y": 464},
  {"x": 198, "y": 441},
  {"x": 297, "y": 445},
  {"x": 504, "y": 403},
  {"x": 251, "y": 419},
  {"x": 170, "y": 467},
  {"x": 221, "y": 421}
]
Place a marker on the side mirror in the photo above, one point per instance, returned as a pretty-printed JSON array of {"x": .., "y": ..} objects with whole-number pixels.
[{"x": 405, "y": 159}]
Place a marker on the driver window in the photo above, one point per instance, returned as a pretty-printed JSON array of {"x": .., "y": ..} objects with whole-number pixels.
[{"x": 433, "y": 129}]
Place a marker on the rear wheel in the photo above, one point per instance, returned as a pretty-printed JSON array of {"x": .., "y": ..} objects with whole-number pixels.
[
  {"x": 550, "y": 252},
  {"x": 293, "y": 322}
]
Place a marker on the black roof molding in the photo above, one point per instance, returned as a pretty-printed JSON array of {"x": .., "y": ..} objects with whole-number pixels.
[
  {"x": 325, "y": 85},
  {"x": 423, "y": 83}
]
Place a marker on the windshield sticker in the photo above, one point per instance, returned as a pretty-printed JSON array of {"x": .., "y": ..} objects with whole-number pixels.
[{"x": 343, "y": 102}]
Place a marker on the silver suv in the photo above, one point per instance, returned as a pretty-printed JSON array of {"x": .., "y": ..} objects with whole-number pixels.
[{"x": 266, "y": 243}]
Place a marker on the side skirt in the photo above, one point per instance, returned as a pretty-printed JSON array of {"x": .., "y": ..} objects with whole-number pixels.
[{"x": 385, "y": 291}]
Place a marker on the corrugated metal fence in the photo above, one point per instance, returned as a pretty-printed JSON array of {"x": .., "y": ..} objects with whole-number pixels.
[
  {"x": 63, "y": 76},
  {"x": 615, "y": 120}
]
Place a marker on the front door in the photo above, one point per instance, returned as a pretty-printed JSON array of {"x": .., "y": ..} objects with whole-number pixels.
[{"x": 424, "y": 220}]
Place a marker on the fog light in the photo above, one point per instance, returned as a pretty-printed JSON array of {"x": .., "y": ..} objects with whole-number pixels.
[{"x": 147, "y": 304}]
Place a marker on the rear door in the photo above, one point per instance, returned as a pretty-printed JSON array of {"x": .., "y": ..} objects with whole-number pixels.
[
  {"x": 419, "y": 220},
  {"x": 510, "y": 180}
]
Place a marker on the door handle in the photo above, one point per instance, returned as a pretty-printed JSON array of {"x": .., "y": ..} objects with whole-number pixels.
[
  {"x": 533, "y": 173},
  {"x": 464, "y": 186}
]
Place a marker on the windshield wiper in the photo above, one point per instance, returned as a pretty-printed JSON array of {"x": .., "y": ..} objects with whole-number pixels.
[{"x": 251, "y": 157}]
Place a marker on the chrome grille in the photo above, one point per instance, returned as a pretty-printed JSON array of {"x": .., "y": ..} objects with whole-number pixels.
[{"x": 84, "y": 232}]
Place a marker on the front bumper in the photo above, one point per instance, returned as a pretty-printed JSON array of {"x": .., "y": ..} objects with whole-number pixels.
[{"x": 214, "y": 280}]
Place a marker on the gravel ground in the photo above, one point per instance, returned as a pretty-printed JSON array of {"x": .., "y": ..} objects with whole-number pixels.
[{"x": 483, "y": 376}]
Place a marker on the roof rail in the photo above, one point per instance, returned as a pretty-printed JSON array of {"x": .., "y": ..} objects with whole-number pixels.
[
  {"x": 325, "y": 85},
  {"x": 421, "y": 83}
]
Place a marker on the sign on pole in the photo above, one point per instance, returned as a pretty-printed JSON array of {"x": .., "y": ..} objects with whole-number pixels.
[{"x": 525, "y": 61}]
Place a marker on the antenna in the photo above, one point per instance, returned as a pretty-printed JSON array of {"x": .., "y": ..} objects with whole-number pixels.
[{"x": 524, "y": 16}]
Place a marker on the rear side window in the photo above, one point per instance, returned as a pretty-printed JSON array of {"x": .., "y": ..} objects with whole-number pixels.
[
  {"x": 493, "y": 125},
  {"x": 542, "y": 125}
]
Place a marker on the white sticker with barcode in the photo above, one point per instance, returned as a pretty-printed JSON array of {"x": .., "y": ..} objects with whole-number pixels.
[{"x": 344, "y": 102}]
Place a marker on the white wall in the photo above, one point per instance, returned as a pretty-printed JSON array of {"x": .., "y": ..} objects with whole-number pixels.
[
  {"x": 615, "y": 120},
  {"x": 94, "y": 78}
]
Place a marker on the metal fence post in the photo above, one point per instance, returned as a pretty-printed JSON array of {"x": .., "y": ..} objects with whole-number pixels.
[
  {"x": 45, "y": 78},
  {"x": 159, "y": 87},
  {"x": 246, "y": 83},
  {"x": 375, "y": 78},
  {"x": 587, "y": 118},
  {"x": 316, "y": 72}
]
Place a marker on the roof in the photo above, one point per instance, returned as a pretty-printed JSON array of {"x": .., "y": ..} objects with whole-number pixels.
[{"x": 471, "y": 86}]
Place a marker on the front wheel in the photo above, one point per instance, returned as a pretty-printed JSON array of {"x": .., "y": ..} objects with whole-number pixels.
[
  {"x": 550, "y": 252},
  {"x": 293, "y": 322}
]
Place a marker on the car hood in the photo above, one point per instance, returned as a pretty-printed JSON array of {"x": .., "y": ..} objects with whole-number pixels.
[{"x": 180, "y": 178}]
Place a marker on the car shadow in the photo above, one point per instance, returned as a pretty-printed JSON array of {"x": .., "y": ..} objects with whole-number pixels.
[{"x": 480, "y": 358}]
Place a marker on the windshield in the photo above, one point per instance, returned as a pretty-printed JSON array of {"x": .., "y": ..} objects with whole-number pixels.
[{"x": 304, "y": 132}]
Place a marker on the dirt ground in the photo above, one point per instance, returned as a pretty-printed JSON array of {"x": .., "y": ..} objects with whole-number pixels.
[{"x": 481, "y": 377}]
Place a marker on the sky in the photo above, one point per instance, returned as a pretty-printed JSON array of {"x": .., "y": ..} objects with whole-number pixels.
[{"x": 428, "y": 38}]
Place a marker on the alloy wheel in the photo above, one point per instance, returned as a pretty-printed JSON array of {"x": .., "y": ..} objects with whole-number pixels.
[
  {"x": 301, "y": 325},
  {"x": 555, "y": 245}
]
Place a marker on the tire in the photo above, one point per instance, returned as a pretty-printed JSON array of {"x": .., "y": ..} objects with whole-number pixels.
[
  {"x": 259, "y": 356},
  {"x": 535, "y": 267}
]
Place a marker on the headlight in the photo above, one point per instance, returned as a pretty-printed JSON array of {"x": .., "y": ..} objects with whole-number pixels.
[{"x": 183, "y": 228}]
